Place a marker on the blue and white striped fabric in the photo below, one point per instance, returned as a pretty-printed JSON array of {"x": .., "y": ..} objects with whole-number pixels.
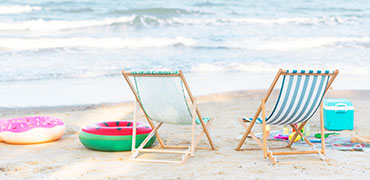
[
  {"x": 299, "y": 98},
  {"x": 258, "y": 120}
]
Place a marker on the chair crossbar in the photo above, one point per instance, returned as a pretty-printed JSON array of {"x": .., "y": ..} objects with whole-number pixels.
[{"x": 162, "y": 151}]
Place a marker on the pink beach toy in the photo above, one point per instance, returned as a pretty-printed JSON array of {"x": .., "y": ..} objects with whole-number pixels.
[
  {"x": 31, "y": 130},
  {"x": 279, "y": 136}
]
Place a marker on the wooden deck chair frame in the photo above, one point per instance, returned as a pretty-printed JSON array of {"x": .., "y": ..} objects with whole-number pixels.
[
  {"x": 194, "y": 140},
  {"x": 261, "y": 109}
]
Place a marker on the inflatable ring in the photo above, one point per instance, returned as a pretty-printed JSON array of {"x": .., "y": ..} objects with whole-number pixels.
[
  {"x": 31, "y": 130},
  {"x": 114, "y": 135}
]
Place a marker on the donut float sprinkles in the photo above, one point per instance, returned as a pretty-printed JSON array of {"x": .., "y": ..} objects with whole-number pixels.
[{"x": 31, "y": 130}]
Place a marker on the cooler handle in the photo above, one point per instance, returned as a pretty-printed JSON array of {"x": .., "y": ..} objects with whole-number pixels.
[{"x": 338, "y": 105}]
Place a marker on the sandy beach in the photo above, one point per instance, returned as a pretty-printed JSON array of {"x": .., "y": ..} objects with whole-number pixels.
[{"x": 69, "y": 159}]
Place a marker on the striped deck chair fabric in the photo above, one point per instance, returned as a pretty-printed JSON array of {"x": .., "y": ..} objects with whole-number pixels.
[
  {"x": 163, "y": 98},
  {"x": 299, "y": 98}
]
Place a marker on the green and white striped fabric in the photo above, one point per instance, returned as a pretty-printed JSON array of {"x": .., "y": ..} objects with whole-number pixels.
[
  {"x": 163, "y": 99},
  {"x": 155, "y": 72},
  {"x": 300, "y": 97}
]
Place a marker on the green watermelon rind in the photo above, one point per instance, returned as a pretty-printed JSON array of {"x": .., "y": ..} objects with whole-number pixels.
[{"x": 112, "y": 143}]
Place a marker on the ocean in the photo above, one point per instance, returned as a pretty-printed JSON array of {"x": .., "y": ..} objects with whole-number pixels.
[{"x": 63, "y": 52}]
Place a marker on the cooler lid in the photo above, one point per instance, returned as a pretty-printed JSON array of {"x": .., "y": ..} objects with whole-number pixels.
[{"x": 338, "y": 104}]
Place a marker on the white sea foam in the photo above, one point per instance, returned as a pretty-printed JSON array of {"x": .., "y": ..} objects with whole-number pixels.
[
  {"x": 291, "y": 44},
  {"x": 109, "y": 43},
  {"x": 251, "y": 67},
  {"x": 280, "y": 21},
  {"x": 352, "y": 68},
  {"x": 41, "y": 25},
  {"x": 277, "y": 44},
  {"x": 254, "y": 67},
  {"x": 18, "y": 9},
  {"x": 112, "y": 90}
]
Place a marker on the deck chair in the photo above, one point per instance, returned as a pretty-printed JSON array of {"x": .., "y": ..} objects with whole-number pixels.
[
  {"x": 301, "y": 94},
  {"x": 162, "y": 96}
]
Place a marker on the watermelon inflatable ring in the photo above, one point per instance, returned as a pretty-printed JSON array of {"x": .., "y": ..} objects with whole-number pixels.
[
  {"x": 31, "y": 130},
  {"x": 114, "y": 135}
]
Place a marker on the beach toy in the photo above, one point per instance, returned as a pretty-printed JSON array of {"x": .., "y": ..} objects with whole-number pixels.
[
  {"x": 279, "y": 136},
  {"x": 307, "y": 130},
  {"x": 286, "y": 130},
  {"x": 318, "y": 135},
  {"x": 295, "y": 126},
  {"x": 315, "y": 140},
  {"x": 296, "y": 139},
  {"x": 31, "y": 130},
  {"x": 114, "y": 135},
  {"x": 267, "y": 130}
]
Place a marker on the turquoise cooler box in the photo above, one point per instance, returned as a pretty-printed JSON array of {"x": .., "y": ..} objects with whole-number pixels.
[{"x": 338, "y": 114}]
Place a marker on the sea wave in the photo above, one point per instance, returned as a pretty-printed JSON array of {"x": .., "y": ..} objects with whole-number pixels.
[
  {"x": 264, "y": 67},
  {"x": 41, "y": 25},
  {"x": 18, "y": 9},
  {"x": 291, "y": 44},
  {"x": 158, "y": 12},
  {"x": 73, "y": 10},
  {"x": 34, "y": 72},
  {"x": 328, "y": 9},
  {"x": 208, "y": 4},
  {"x": 276, "y": 44},
  {"x": 332, "y": 20},
  {"x": 109, "y": 43}
]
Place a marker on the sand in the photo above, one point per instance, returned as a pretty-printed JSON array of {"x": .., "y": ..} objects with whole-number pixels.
[{"x": 69, "y": 159}]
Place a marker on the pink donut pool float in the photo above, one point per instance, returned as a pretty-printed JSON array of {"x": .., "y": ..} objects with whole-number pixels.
[{"x": 31, "y": 130}]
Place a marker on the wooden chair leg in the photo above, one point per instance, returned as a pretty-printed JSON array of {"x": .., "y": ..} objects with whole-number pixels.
[
  {"x": 207, "y": 133},
  {"x": 192, "y": 146},
  {"x": 264, "y": 129},
  {"x": 161, "y": 143},
  {"x": 272, "y": 158},
  {"x": 322, "y": 129},
  {"x": 251, "y": 134},
  {"x": 197, "y": 140},
  {"x": 320, "y": 153},
  {"x": 205, "y": 130},
  {"x": 146, "y": 140},
  {"x": 133, "y": 145},
  {"x": 242, "y": 123},
  {"x": 245, "y": 135},
  {"x": 264, "y": 141}
]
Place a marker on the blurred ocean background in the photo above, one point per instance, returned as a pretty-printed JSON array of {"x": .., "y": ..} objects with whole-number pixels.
[{"x": 63, "y": 52}]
